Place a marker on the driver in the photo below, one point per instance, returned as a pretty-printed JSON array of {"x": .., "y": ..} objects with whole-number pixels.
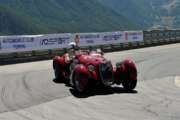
[
  {"x": 70, "y": 53},
  {"x": 70, "y": 59},
  {"x": 73, "y": 48}
]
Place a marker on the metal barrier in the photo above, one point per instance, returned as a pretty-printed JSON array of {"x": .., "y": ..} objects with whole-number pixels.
[{"x": 151, "y": 38}]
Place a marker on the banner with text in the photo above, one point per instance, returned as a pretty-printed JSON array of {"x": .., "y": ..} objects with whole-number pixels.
[
  {"x": 54, "y": 41},
  {"x": 18, "y": 43}
]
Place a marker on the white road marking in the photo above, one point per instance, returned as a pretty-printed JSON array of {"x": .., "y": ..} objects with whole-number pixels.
[{"x": 177, "y": 81}]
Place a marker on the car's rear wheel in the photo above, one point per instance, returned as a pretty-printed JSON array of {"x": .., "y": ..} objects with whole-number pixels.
[{"x": 57, "y": 72}]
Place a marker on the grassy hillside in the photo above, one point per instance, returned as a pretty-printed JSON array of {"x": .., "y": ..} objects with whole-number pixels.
[
  {"x": 11, "y": 22},
  {"x": 147, "y": 13},
  {"x": 132, "y": 9},
  {"x": 50, "y": 16}
]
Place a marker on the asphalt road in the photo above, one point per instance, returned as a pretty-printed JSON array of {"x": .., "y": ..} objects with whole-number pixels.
[{"x": 27, "y": 91}]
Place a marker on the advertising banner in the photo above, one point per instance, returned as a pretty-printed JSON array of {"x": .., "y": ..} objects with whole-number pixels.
[
  {"x": 87, "y": 39},
  {"x": 112, "y": 37},
  {"x": 92, "y": 39},
  {"x": 53, "y": 41},
  {"x": 132, "y": 36},
  {"x": 18, "y": 43}
]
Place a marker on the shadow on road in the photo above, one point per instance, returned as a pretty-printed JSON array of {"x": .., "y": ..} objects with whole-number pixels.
[
  {"x": 102, "y": 91},
  {"x": 96, "y": 91},
  {"x": 66, "y": 82}
]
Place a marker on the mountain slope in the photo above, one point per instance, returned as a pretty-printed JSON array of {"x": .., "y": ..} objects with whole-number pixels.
[
  {"x": 147, "y": 13},
  {"x": 11, "y": 22},
  {"x": 63, "y": 16},
  {"x": 131, "y": 9}
]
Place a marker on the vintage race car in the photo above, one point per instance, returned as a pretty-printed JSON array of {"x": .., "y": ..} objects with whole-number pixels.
[{"x": 92, "y": 69}]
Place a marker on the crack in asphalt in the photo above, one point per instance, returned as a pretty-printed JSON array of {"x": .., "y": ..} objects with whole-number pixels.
[{"x": 147, "y": 108}]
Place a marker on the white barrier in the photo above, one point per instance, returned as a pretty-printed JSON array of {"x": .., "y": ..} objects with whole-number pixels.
[
  {"x": 18, "y": 43},
  {"x": 93, "y": 39},
  {"x": 132, "y": 36},
  {"x": 10, "y": 44},
  {"x": 52, "y": 41}
]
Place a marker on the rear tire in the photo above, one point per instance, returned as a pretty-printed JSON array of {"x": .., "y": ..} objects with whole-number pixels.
[{"x": 58, "y": 74}]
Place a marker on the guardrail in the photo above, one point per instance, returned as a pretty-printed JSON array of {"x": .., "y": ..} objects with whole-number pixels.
[{"x": 151, "y": 38}]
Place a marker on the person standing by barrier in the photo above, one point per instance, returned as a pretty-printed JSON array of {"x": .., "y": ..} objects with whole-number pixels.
[{"x": 77, "y": 41}]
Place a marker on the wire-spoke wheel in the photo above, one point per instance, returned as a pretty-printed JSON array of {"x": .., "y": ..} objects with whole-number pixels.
[
  {"x": 80, "y": 82},
  {"x": 58, "y": 74}
]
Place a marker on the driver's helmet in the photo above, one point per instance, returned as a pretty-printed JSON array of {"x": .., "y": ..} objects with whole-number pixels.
[
  {"x": 99, "y": 51},
  {"x": 71, "y": 45},
  {"x": 71, "y": 49}
]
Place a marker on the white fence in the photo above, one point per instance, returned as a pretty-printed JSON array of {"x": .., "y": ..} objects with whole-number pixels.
[{"x": 9, "y": 44}]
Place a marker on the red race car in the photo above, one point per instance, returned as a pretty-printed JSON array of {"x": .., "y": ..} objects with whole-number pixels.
[{"x": 87, "y": 70}]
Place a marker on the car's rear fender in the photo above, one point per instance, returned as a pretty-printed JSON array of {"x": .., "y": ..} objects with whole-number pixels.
[{"x": 58, "y": 60}]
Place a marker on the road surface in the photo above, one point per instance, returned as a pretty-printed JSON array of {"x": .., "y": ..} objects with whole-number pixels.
[{"x": 27, "y": 91}]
